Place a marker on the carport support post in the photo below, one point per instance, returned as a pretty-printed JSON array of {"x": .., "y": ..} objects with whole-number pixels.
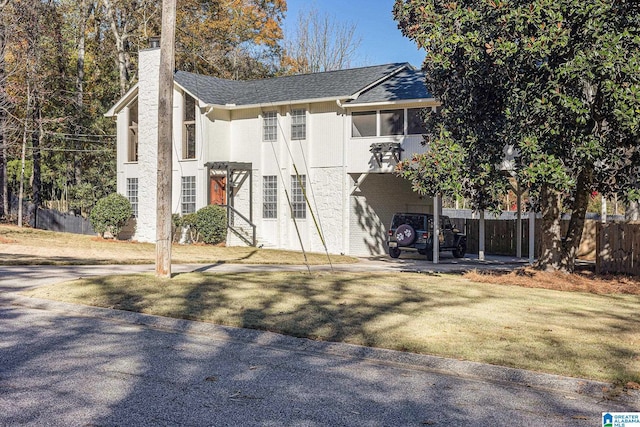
[
  {"x": 519, "y": 221},
  {"x": 532, "y": 235},
  {"x": 481, "y": 237},
  {"x": 436, "y": 229}
]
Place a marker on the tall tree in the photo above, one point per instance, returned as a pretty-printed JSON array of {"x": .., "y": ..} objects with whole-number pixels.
[
  {"x": 556, "y": 80},
  {"x": 126, "y": 19},
  {"x": 237, "y": 39},
  {"x": 3, "y": 113},
  {"x": 319, "y": 43}
]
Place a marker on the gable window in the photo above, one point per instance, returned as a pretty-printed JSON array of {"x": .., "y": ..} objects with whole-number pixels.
[
  {"x": 188, "y": 195},
  {"x": 298, "y": 124},
  {"x": 298, "y": 204},
  {"x": 391, "y": 122},
  {"x": 132, "y": 194},
  {"x": 270, "y": 126},
  {"x": 415, "y": 122},
  {"x": 189, "y": 128},
  {"x": 363, "y": 124},
  {"x": 269, "y": 196},
  {"x": 132, "y": 149}
]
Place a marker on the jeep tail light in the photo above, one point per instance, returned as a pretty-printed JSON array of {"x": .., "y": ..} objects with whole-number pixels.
[
  {"x": 390, "y": 233},
  {"x": 425, "y": 236}
]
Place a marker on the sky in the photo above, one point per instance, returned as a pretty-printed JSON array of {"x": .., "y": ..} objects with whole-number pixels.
[{"x": 381, "y": 40}]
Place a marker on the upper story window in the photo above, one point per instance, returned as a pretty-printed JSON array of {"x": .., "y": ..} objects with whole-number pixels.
[
  {"x": 298, "y": 124},
  {"x": 189, "y": 128},
  {"x": 387, "y": 123},
  {"x": 391, "y": 122},
  {"x": 363, "y": 124},
  {"x": 132, "y": 149},
  {"x": 270, "y": 126},
  {"x": 415, "y": 122}
]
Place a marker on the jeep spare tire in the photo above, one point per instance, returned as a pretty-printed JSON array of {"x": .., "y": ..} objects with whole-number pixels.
[{"x": 405, "y": 235}]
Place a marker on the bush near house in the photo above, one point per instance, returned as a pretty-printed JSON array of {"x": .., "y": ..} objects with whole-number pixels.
[
  {"x": 208, "y": 225},
  {"x": 211, "y": 224},
  {"x": 110, "y": 214}
]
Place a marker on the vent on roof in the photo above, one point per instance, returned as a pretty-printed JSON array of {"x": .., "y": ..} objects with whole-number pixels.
[{"x": 154, "y": 42}]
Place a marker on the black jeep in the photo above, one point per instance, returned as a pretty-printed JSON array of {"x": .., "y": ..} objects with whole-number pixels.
[{"x": 414, "y": 232}]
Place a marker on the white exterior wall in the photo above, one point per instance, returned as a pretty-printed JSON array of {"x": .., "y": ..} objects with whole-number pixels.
[{"x": 352, "y": 223}]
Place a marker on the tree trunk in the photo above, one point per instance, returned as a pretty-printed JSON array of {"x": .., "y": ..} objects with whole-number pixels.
[
  {"x": 23, "y": 156},
  {"x": 84, "y": 14},
  {"x": 120, "y": 37},
  {"x": 36, "y": 137},
  {"x": 3, "y": 116},
  {"x": 632, "y": 211},
  {"x": 551, "y": 246},
  {"x": 576, "y": 224}
]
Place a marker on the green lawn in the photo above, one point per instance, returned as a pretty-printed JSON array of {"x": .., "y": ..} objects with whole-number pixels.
[{"x": 567, "y": 333}]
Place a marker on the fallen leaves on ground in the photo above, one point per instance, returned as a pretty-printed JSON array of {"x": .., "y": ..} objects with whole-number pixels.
[{"x": 581, "y": 281}]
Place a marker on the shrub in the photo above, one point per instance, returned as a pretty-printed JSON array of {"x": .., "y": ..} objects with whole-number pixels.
[
  {"x": 110, "y": 214},
  {"x": 211, "y": 224}
]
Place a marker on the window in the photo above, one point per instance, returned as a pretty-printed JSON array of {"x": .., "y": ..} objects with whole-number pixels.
[
  {"x": 132, "y": 151},
  {"x": 298, "y": 204},
  {"x": 188, "y": 195},
  {"x": 363, "y": 124},
  {"x": 270, "y": 197},
  {"x": 392, "y": 122},
  {"x": 189, "y": 128},
  {"x": 270, "y": 126},
  {"x": 298, "y": 124},
  {"x": 132, "y": 194},
  {"x": 415, "y": 125}
]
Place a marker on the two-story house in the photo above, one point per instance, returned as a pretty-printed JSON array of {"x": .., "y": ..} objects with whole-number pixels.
[{"x": 304, "y": 159}]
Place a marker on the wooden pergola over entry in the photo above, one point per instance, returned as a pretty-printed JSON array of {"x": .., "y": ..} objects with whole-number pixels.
[{"x": 225, "y": 179}]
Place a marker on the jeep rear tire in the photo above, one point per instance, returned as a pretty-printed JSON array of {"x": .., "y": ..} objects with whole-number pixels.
[{"x": 394, "y": 252}]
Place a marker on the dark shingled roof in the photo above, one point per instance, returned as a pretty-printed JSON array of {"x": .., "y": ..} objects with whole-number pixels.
[{"x": 407, "y": 84}]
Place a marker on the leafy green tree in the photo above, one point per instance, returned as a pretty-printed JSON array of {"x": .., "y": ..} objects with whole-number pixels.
[{"x": 555, "y": 81}]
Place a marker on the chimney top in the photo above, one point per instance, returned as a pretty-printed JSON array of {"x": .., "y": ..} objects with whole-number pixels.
[{"x": 154, "y": 42}]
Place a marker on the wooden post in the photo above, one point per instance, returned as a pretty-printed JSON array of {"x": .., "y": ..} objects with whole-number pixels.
[
  {"x": 519, "y": 222},
  {"x": 436, "y": 229},
  {"x": 165, "y": 135},
  {"x": 532, "y": 236},
  {"x": 481, "y": 237}
]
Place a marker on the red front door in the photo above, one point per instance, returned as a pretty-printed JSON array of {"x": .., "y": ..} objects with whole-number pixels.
[{"x": 218, "y": 190}]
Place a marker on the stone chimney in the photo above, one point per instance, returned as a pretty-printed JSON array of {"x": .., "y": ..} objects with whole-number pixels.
[{"x": 148, "y": 75}]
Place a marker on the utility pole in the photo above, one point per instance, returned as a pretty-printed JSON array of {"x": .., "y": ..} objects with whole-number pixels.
[{"x": 165, "y": 139}]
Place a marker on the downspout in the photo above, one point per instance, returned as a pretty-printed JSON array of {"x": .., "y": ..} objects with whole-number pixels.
[{"x": 346, "y": 198}]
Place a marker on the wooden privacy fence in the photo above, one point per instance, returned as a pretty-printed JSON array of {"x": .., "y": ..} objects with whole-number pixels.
[
  {"x": 501, "y": 236},
  {"x": 618, "y": 248}
]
